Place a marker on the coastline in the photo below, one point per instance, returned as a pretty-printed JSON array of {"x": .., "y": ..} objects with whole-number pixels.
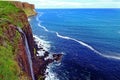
[
  {"x": 44, "y": 57},
  {"x": 17, "y": 16},
  {"x": 79, "y": 58},
  {"x": 40, "y": 62}
]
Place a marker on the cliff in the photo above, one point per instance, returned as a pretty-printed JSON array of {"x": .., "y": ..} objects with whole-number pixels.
[
  {"x": 18, "y": 60},
  {"x": 13, "y": 59}
]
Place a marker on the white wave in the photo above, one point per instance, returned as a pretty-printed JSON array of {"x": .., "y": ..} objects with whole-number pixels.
[
  {"x": 39, "y": 15},
  {"x": 46, "y": 46},
  {"x": 42, "y": 43},
  {"x": 29, "y": 19},
  {"x": 88, "y": 46},
  {"x": 58, "y": 64},
  {"x": 80, "y": 42},
  {"x": 50, "y": 56},
  {"x": 39, "y": 22},
  {"x": 50, "y": 74},
  {"x": 37, "y": 18},
  {"x": 43, "y": 27},
  {"x": 41, "y": 53}
]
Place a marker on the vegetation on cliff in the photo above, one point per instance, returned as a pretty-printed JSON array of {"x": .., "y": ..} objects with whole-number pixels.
[
  {"x": 14, "y": 63},
  {"x": 26, "y": 7},
  {"x": 8, "y": 13},
  {"x": 12, "y": 48}
]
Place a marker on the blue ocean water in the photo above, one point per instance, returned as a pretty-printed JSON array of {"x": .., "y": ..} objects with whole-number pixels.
[{"x": 89, "y": 39}]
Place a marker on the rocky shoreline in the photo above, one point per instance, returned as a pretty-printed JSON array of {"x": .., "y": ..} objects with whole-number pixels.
[{"x": 43, "y": 61}]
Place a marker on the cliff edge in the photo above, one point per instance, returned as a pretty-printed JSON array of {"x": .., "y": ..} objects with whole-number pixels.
[
  {"x": 13, "y": 59},
  {"x": 18, "y": 50},
  {"x": 26, "y": 7}
]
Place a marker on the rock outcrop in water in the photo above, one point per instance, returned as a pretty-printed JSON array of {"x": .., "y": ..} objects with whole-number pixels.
[{"x": 14, "y": 63}]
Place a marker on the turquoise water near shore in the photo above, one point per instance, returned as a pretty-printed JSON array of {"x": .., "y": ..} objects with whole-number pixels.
[{"x": 89, "y": 39}]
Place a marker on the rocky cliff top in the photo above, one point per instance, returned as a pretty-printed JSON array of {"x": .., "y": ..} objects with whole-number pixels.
[
  {"x": 28, "y": 8},
  {"x": 23, "y": 5}
]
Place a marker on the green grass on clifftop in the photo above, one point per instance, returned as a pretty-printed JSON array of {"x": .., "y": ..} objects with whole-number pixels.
[
  {"x": 29, "y": 12},
  {"x": 8, "y": 12}
]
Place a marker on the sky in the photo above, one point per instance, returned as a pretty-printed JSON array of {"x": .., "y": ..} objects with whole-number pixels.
[{"x": 75, "y": 3}]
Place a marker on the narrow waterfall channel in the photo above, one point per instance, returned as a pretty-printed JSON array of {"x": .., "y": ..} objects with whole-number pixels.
[{"x": 27, "y": 51}]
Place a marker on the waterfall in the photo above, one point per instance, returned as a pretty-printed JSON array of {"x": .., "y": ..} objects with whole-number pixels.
[{"x": 27, "y": 51}]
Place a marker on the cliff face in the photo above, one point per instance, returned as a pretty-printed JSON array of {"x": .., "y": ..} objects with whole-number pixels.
[{"x": 13, "y": 59}]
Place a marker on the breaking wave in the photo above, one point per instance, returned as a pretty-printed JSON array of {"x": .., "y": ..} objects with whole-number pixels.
[
  {"x": 50, "y": 75},
  {"x": 43, "y": 27},
  {"x": 86, "y": 45},
  {"x": 42, "y": 43}
]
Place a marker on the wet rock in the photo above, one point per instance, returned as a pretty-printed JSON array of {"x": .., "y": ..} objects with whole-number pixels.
[
  {"x": 41, "y": 48},
  {"x": 57, "y": 57},
  {"x": 46, "y": 54}
]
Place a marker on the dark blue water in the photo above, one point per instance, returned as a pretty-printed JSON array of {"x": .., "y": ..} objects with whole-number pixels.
[{"x": 89, "y": 39}]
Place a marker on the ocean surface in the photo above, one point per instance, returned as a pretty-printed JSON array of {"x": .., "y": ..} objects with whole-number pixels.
[{"x": 89, "y": 40}]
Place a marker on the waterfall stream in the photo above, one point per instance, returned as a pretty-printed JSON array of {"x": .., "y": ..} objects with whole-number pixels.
[{"x": 27, "y": 51}]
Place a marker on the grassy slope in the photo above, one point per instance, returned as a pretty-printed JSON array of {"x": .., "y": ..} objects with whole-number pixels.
[
  {"x": 6, "y": 9},
  {"x": 29, "y": 11},
  {"x": 9, "y": 69}
]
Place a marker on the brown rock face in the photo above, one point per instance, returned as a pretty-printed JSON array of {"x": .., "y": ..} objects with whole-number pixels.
[
  {"x": 27, "y": 5},
  {"x": 32, "y": 6},
  {"x": 18, "y": 4},
  {"x": 21, "y": 57},
  {"x": 28, "y": 8},
  {"x": 23, "y": 5},
  {"x": 29, "y": 36}
]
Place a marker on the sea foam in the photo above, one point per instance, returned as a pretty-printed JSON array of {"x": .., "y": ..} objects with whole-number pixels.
[
  {"x": 43, "y": 27},
  {"x": 88, "y": 46},
  {"x": 50, "y": 75},
  {"x": 42, "y": 43}
]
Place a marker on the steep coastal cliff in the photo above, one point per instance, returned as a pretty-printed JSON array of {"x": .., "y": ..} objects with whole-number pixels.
[
  {"x": 13, "y": 59},
  {"x": 18, "y": 60}
]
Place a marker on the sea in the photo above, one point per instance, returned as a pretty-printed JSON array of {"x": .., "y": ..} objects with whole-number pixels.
[{"x": 89, "y": 40}]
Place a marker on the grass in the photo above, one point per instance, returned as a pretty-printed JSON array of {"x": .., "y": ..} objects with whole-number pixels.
[
  {"x": 29, "y": 11},
  {"x": 8, "y": 12},
  {"x": 9, "y": 69},
  {"x": 8, "y": 66}
]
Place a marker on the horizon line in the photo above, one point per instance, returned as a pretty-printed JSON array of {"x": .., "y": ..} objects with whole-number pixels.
[{"x": 77, "y": 8}]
